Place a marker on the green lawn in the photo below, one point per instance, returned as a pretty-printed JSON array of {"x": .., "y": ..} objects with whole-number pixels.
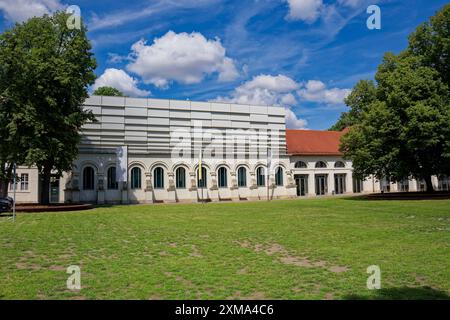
[{"x": 301, "y": 249}]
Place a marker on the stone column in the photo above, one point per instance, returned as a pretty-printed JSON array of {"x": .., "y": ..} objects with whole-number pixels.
[
  {"x": 171, "y": 190},
  {"x": 100, "y": 188},
  {"x": 214, "y": 190},
  {"x": 234, "y": 187},
  {"x": 312, "y": 184},
  {"x": 149, "y": 198},
  {"x": 75, "y": 188},
  {"x": 330, "y": 183},
  {"x": 291, "y": 187},
  {"x": 193, "y": 186},
  {"x": 253, "y": 187},
  {"x": 349, "y": 182},
  {"x": 123, "y": 186}
]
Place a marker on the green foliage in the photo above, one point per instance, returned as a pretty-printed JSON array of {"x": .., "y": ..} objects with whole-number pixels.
[
  {"x": 406, "y": 130},
  {"x": 361, "y": 96},
  {"x": 431, "y": 42},
  {"x": 108, "y": 91},
  {"x": 45, "y": 69},
  {"x": 401, "y": 126}
]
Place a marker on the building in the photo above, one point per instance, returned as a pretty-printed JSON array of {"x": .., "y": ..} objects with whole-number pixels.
[{"x": 149, "y": 151}]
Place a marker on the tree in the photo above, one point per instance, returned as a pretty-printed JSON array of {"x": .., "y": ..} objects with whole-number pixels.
[
  {"x": 108, "y": 91},
  {"x": 405, "y": 131},
  {"x": 358, "y": 100},
  {"x": 431, "y": 42},
  {"x": 400, "y": 126},
  {"x": 44, "y": 83}
]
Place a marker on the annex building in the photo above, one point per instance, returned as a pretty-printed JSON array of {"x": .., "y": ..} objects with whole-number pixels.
[{"x": 164, "y": 151}]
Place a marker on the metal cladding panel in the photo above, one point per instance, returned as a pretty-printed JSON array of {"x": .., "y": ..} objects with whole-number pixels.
[
  {"x": 136, "y": 111},
  {"x": 180, "y": 105},
  {"x": 201, "y": 106},
  {"x": 93, "y": 101},
  {"x": 146, "y": 124},
  {"x": 113, "y": 101},
  {"x": 136, "y": 102},
  {"x": 158, "y": 103}
]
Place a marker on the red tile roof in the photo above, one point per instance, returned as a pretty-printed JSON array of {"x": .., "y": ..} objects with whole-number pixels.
[{"x": 312, "y": 142}]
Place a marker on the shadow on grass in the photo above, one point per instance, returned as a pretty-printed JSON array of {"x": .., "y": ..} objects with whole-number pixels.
[
  {"x": 404, "y": 293},
  {"x": 402, "y": 196}
]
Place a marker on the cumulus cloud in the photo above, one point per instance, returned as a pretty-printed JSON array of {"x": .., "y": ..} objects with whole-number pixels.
[
  {"x": 317, "y": 91},
  {"x": 293, "y": 122},
  {"x": 21, "y": 10},
  {"x": 120, "y": 80},
  {"x": 185, "y": 58},
  {"x": 264, "y": 90},
  {"x": 269, "y": 90},
  {"x": 305, "y": 10}
]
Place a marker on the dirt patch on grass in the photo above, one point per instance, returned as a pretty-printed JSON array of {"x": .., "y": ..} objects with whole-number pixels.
[
  {"x": 285, "y": 257},
  {"x": 256, "y": 295},
  {"x": 27, "y": 266},
  {"x": 242, "y": 271},
  {"x": 57, "y": 268},
  {"x": 180, "y": 279},
  {"x": 195, "y": 252}
]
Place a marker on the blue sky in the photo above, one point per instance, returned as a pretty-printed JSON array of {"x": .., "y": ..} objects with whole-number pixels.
[{"x": 303, "y": 54}]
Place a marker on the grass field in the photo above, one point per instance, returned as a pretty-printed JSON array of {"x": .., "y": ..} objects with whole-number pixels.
[{"x": 301, "y": 249}]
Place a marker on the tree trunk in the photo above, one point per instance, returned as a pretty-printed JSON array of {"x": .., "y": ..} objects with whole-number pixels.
[
  {"x": 45, "y": 187},
  {"x": 4, "y": 188},
  {"x": 429, "y": 184}
]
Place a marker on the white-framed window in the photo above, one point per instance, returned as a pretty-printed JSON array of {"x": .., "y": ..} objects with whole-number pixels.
[
  {"x": 24, "y": 181},
  {"x": 242, "y": 177},
  {"x": 158, "y": 178},
  {"x": 279, "y": 176},
  {"x": 261, "y": 177},
  {"x": 223, "y": 183},
  {"x": 180, "y": 178},
  {"x": 136, "y": 178}
]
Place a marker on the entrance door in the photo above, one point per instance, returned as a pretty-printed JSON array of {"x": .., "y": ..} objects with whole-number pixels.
[
  {"x": 339, "y": 183},
  {"x": 54, "y": 190},
  {"x": 301, "y": 180},
  {"x": 321, "y": 184}
]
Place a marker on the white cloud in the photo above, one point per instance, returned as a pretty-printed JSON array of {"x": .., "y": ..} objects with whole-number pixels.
[
  {"x": 185, "y": 58},
  {"x": 316, "y": 91},
  {"x": 21, "y": 10},
  {"x": 120, "y": 80},
  {"x": 305, "y": 10},
  {"x": 293, "y": 122},
  {"x": 264, "y": 90},
  {"x": 269, "y": 90}
]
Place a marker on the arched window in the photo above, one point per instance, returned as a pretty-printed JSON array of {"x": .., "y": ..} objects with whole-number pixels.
[
  {"x": 180, "y": 177},
  {"x": 339, "y": 164},
  {"x": 321, "y": 164},
  {"x": 242, "y": 177},
  {"x": 88, "y": 178},
  {"x": 203, "y": 182},
  {"x": 223, "y": 183},
  {"x": 136, "y": 178},
  {"x": 300, "y": 164},
  {"x": 279, "y": 176},
  {"x": 260, "y": 177},
  {"x": 112, "y": 179},
  {"x": 158, "y": 178}
]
